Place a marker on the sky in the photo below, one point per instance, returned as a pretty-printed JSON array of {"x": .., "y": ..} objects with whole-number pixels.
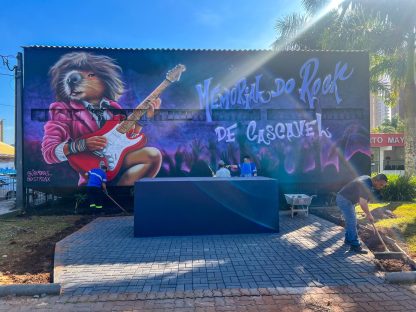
[{"x": 187, "y": 24}]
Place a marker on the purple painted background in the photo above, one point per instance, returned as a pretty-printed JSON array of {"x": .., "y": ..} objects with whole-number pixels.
[{"x": 191, "y": 143}]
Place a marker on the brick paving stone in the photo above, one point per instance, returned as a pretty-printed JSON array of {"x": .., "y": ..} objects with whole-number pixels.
[
  {"x": 104, "y": 257},
  {"x": 351, "y": 298}
]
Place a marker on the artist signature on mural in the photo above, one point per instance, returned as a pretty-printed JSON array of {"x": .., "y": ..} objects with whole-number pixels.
[{"x": 38, "y": 176}]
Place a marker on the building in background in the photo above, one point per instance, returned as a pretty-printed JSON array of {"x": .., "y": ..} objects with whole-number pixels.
[
  {"x": 387, "y": 152},
  {"x": 6, "y": 158},
  {"x": 378, "y": 111},
  {"x": 387, "y": 149}
]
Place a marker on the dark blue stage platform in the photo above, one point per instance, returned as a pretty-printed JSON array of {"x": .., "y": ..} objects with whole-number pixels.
[{"x": 197, "y": 206}]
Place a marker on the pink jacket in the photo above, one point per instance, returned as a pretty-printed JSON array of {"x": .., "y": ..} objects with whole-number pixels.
[{"x": 66, "y": 121}]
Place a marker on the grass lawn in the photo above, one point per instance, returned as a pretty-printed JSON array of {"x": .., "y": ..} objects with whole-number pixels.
[{"x": 403, "y": 221}]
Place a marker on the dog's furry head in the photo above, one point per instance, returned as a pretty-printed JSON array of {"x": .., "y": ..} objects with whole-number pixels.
[{"x": 103, "y": 67}]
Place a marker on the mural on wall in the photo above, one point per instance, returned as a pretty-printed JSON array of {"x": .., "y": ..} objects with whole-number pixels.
[{"x": 302, "y": 117}]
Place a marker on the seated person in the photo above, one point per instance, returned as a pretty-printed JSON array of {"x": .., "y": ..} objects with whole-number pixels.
[
  {"x": 247, "y": 167},
  {"x": 222, "y": 171}
]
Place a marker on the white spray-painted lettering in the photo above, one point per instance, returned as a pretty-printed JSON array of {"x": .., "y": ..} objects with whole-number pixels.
[
  {"x": 244, "y": 95},
  {"x": 282, "y": 130}
]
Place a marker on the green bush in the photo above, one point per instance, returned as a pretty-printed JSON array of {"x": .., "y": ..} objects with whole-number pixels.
[{"x": 400, "y": 188}]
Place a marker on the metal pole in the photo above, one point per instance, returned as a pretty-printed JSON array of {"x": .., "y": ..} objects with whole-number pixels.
[{"x": 20, "y": 202}]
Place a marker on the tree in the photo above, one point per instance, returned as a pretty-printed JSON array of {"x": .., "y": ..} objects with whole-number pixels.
[
  {"x": 395, "y": 125},
  {"x": 386, "y": 28}
]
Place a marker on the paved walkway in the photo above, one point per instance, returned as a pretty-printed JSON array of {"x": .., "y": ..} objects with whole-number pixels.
[
  {"x": 311, "y": 299},
  {"x": 303, "y": 268},
  {"x": 105, "y": 258}
]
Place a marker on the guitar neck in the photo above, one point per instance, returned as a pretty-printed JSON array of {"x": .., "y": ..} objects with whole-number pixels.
[{"x": 142, "y": 108}]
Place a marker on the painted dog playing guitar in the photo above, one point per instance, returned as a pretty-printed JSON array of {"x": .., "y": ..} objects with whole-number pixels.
[{"x": 85, "y": 126}]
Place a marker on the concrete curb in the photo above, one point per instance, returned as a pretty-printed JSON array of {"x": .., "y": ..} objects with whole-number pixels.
[
  {"x": 400, "y": 277},
  {"x": 30, "y": 289}
]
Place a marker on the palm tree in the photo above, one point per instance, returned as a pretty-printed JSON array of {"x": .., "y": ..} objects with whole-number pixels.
[{"x": 386, "y": 28}]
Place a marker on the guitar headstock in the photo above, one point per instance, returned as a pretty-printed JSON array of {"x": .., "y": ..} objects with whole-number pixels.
[{"x": 175, "y": 73}]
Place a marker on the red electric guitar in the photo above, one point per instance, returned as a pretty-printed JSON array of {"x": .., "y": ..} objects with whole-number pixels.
[{"x": 116, "y": 133}]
